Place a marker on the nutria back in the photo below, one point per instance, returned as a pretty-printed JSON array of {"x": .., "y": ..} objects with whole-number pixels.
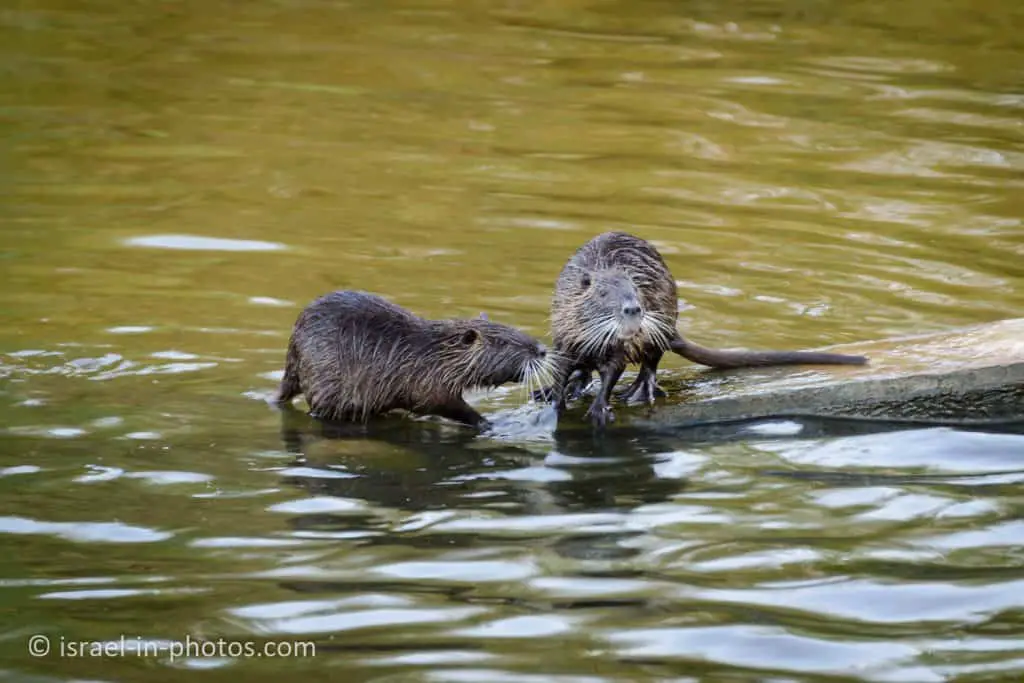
[{"x": 354, "y": 354}]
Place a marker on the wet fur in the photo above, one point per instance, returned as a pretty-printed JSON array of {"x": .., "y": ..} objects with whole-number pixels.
[
  {"x": 355, "y": 354},
  {"x": 612, "y": 268}
]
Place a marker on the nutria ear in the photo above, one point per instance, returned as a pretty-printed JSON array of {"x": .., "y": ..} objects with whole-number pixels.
[
  {"x": 585, "y": 280},
  {"x": 483, "y": 316},
  {"x": 470, "y": 336}
]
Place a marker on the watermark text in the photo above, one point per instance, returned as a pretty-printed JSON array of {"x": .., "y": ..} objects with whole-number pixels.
[{"x": 190, "y": 648}]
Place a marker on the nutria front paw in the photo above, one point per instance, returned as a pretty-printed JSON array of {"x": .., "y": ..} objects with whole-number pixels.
[{"x": 600, "y": 415}]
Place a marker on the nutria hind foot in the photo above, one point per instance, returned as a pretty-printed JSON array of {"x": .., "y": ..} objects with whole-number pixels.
[{"x": 644, "y": 389}]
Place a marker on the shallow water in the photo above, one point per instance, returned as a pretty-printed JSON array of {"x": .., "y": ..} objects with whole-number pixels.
[{"x": 181, "y": 178}]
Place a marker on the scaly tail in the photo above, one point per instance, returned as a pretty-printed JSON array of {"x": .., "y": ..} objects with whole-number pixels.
[{"x": 749, "y": 359}]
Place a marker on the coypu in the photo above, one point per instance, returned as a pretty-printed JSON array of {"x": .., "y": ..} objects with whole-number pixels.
[
  {"x": 614, "y": 304},
  {"x": 355, "y": 354}
]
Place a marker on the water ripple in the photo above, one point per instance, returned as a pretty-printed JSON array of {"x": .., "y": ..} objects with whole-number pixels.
[
  {"x": 83, "y": 532},
  {"x": 759, "y": 647}
]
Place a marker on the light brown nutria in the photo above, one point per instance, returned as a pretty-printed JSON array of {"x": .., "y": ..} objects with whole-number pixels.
[
  {"x": 615, "y": 303},
  {"x": 355, "y": 354}
]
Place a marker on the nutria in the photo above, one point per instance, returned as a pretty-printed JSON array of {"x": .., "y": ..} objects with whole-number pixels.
[
  {"x": 614, "y": 304},
  {"x": 354, "y": 354}
]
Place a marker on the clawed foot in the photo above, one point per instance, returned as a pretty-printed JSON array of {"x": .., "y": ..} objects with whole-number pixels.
[
  {"x": 600, "y": 414},
  {"x": 642, "y": 391}
]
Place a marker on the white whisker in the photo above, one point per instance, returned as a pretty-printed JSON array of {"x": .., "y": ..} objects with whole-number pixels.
[
  {"x": 529, "y": 374},
  {"x": 599, "y": 334},
  {"x": 657, "y": 328}
]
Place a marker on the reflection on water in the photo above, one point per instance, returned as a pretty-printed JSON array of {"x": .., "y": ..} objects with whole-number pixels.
[
  {"x": 182, "y": 179},
  {"x": 202, "y": 243}
]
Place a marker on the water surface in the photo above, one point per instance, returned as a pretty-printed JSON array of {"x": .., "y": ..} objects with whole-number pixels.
[{"x": 180, "y": 179}]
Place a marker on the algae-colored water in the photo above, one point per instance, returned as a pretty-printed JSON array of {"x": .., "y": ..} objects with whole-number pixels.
[{"x": 179, "y": 179}]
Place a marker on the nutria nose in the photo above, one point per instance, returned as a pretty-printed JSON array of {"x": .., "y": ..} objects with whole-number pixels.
[{"x": 631, "y": 310}]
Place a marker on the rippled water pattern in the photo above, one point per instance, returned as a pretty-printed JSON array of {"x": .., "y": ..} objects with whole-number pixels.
[{"x": 180, "y": 178}]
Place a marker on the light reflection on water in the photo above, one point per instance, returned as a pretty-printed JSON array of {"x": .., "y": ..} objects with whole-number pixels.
[{"x": 201, "y": 243}]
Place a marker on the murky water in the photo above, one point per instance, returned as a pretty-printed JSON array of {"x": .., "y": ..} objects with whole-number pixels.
[{"x": 180, "y": 178}]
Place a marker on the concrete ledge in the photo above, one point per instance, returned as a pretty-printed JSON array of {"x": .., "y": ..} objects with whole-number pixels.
[{"x": 969, "y": 375}]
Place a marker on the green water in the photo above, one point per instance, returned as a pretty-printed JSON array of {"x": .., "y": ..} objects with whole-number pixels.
[{"x": 179, "y": 179}]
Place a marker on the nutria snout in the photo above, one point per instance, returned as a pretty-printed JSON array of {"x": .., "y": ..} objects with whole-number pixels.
[
  {"x": 615, "y": 303},
  {"x": 610, "y": 300},
  {"x": 355, "y": 354}
]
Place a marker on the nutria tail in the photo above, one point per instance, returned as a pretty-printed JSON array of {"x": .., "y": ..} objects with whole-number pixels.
[
  {"x": 290, "y": 386},
  {"x": 748, "y": 359},
  {"x": 288, "y": 390}
]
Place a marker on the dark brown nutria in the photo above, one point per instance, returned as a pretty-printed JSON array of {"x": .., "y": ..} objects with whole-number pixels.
[
  {"x": 355, "y": 354},
  {"x": 615, "y": 303}
]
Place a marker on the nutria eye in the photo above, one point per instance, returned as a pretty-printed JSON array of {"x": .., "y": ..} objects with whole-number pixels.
[
  {"x": 469, "y": 336},
  {"x": 585, "y": 280}
]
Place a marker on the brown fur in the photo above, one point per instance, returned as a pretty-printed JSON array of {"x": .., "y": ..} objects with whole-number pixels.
[
  {"x": 355, "y": 354},
  {"x": 615, "y": 303}
]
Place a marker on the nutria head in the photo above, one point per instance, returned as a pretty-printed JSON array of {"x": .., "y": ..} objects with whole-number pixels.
[
  {"x": 598, "y": 308},
  {"x": 478, "y": 353}
]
